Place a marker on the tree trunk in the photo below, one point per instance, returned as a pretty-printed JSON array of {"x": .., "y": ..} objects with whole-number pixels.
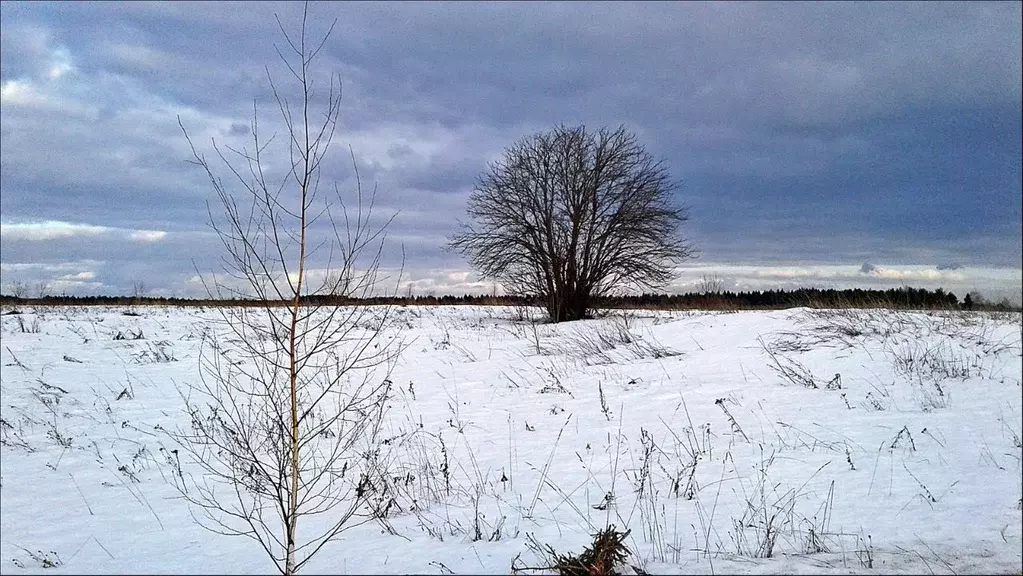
[
  {"x": 289, "y": 565},
  {"x": 567, "y": 306},
  {"x": 577, "y": 306}
]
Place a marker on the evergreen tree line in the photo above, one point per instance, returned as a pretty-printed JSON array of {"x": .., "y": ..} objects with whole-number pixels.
[{"x": 900, "y": 298}]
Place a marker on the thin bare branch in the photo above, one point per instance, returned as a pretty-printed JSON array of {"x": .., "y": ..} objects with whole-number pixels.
[{"x": 289, "y": 395}]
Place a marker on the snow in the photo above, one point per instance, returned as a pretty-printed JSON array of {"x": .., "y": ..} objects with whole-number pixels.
[{"x": 908, "y": 462}]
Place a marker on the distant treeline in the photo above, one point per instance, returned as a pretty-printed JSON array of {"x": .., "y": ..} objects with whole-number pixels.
[{"x": 906, "y": 298}]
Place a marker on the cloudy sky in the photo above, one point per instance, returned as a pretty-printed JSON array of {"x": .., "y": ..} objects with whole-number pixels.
[{"x": 819, "y": 144}]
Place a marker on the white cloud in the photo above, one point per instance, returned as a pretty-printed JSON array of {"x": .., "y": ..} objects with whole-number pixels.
[
  {"x": 916, "y": 275},
  {"x": 55, "y": 267},
  {"x": 996, "y": 283},
  {"x": 58, "y": 230},
  {"x": 60, "y": 64},
  {"x": 458, "y": 277},
  {"x": 139, "y": 56},
  {"x": 838, "y": 273},
  {"x": 81, "y": 276},
  {"x": 37, "y": 90},
  {"x": 148, "y": 235},
  {"x": 78, "y": 277},
  {"x": 438, "y": 282},
  {"x": 60, "y": 286},
  {"x": 21, "y": 93},
  {"x": 49, "y": 230}
]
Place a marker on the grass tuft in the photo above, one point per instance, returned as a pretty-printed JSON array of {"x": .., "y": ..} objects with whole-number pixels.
[{"x": 601, "y": 558}]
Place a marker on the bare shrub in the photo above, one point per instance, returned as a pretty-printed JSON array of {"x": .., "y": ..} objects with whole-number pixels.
[
  {"x": 157, "y": 353},
  {"x": 44, "y": 559},
  {"x": 770, "y": 516},
  {"x": 32, "y": 327},
  {"x": 603, "y": 557},
  {"x": 937, "y": 362},
  {"x": 608, "y": 341},
  {"x": 789, "y": 369},
  {"x": 286, "y": 415}
]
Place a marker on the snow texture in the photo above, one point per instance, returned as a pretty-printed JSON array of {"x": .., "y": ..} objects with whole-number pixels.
[{"x": 792, "y": 441}]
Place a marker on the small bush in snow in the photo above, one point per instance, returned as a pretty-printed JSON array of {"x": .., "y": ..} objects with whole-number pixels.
[{"x": 602, "y": 558}]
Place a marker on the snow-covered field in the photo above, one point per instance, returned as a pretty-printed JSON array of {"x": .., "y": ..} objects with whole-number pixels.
[{"x": 786, "y": 441}]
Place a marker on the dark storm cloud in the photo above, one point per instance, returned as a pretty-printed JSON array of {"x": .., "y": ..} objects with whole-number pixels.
[{"x": 802, "y": 133}]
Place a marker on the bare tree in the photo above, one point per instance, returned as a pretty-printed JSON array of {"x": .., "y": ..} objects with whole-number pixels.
[
  {"x": 291, "y": 392},
  {"x": 18, "y": 289},
  {"x": 41, "y": 289},
  {"x": 138, "y": 290},
  {"x": 568, "y": 215},
  {"x": 712, "y": 284}
]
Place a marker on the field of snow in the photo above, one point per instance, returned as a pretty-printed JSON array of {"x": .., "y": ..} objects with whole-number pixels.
[{"x": 801, "y": 440}]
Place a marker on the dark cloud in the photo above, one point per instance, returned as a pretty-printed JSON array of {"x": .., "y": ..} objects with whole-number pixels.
[
  {"x": 949, "y": 266},
  {"x": 830, "y": 132},
  {"x": 867, "y": 268},
  {"x": 238, "y": 129}
]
